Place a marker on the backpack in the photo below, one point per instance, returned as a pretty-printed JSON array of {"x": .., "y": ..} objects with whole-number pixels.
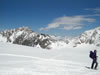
[{"x": 91, "y": 54}]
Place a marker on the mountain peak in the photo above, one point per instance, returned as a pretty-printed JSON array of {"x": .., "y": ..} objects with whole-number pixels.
[{"x": 24, "y": 29}]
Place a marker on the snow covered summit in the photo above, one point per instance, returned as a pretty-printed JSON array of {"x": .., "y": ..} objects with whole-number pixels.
[
  {"x": 25, "y": 36},
  {"x": 88, "y": 37}
]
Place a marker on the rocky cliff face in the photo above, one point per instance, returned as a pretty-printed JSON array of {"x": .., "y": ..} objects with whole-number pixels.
[{"x": 26, "y": 36}]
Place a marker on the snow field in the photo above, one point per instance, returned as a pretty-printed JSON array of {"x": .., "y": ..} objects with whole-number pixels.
[{"x": 23, "y": 60}]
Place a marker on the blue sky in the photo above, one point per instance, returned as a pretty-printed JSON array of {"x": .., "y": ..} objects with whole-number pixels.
[{"x": 57, "y": 17}]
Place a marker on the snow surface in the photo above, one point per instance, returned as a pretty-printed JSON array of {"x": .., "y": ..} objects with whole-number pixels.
[
  {"x": 24, "y": 60},
  {"x": 3, "y": 39}
]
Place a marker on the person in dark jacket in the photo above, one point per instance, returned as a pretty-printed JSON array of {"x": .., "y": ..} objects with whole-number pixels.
[{"x": 94, "y": 57}]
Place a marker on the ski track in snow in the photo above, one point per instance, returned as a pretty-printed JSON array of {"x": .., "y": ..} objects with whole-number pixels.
[{"x": 16, "y": 55}]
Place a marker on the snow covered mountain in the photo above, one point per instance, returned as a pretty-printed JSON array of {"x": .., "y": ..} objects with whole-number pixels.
[
  {"x": 26, "y": 36},
  {"x": 88, "y": 37}
]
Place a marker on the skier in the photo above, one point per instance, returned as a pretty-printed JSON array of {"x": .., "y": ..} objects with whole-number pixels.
[{"x": 94, "y": 57}]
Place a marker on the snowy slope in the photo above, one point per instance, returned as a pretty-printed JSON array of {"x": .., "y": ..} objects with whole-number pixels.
[{"x": 23, "y": 60}]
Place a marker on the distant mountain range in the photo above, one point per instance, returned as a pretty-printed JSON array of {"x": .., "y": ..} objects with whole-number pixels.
[{"x": 26, "y": 36}]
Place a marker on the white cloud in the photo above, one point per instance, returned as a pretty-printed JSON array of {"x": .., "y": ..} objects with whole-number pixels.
[
  {"x": 72, "y": 27},
  {"x": 93, "y": 15},
  {"x": 96, "y": 10},
  {"x": 69, "y": 22}
]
